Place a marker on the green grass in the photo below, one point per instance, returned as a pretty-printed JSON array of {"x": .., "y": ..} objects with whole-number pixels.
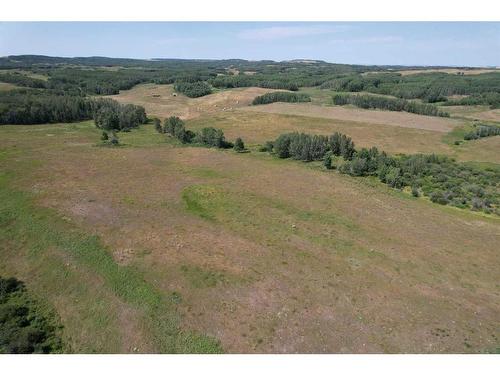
[
  {"x": 47, "y": 239},
  {"x": 201, "y": 278},
  {"x": 272, "y": 221},
  {"x": 457, "y": 134}
]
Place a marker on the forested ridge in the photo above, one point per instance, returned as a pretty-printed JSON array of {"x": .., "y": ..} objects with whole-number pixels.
[{"x": 194, "y": 78}]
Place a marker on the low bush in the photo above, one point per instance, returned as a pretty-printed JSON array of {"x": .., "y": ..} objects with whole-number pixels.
[
  {"x": 239, "y": 146},
  {"x": 25, "y": 327}
]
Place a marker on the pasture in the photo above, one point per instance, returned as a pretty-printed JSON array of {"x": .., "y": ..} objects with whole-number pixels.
[
  {"x": 233, "y": 245},
  {"x": 158, "y": 246}
]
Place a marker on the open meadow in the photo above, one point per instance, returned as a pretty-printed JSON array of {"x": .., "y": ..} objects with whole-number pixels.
[{"x": 146, "y": 242}]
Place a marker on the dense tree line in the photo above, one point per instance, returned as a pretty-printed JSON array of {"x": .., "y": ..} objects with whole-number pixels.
[
  {"x": 19, "y": 79},
  {"x": 101, "y": 75},
  {"x": 193, "y": 89},
  {"x": 481, "y": 131},
  {"x": 41, "y": 107},
  {"x": 430, "y": 87},
  {"x": 24, "y": 326},
  {"x": 386, "y": 103},
  {"x": 29, "y": 107},
  {"x": 272, "y": 82},
  {"x": 488, "y": 98},
  {"x": 281, "y": 96},
  {"x": 312, "y": 68},
  {"x": 440, "y": 178}
]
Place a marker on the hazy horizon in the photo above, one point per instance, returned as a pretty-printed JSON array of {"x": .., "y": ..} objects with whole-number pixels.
[{"x": 471, "y": 44}]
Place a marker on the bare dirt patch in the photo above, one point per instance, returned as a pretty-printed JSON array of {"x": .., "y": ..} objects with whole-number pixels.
[{"x": 400, "y": 119}]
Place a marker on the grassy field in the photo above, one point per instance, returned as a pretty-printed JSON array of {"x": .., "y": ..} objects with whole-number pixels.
[
  {"x": 162, "y": 101},
  {"x": 156, "y": 247},
  {"x": 399, "y": 119},
  {"x": 4, "y": 86},
  {"x": 474, "y": 112}
]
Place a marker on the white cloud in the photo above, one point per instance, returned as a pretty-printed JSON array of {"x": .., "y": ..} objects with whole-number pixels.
[{"x": 282, "y": 32}]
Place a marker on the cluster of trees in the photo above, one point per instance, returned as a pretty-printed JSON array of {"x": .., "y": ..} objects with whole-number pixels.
[
  {"x": 113, "y": 117},
  {"x": 430, "y": 87},
  {"x": 40, "y": 107},
  {"x": 19, "y": 79},
  {"x": 488, "y": 98},
  {"x": 81, "y": 81},
  {"x": 482, "y": 131},
  {"x": 281, "y": 96},
  {"x": 193, "y": 89},
  {"x": 209, "y": 136},
  {"x": 232, "y": 81},
  {"x": 307, "y": 147},
  {"x": 25, "y": 327},
  {"x": 390, "y": 104},
  {"x": 176, "y": 128},
  {"x": 440, "y": 178}
]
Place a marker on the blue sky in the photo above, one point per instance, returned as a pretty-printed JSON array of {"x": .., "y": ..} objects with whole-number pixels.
[{"x": 405, "y": 43}]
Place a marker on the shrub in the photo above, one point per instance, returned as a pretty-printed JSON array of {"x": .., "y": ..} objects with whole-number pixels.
[
  {"x": 25, "y": 327},
  {"x": 282, "y": 146},
  {"x": 157, "y": 124},
  {"x": 268, "y": 146},
  {"x": 239, "y": 145},
  {"x": 327, "y": 161}
]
